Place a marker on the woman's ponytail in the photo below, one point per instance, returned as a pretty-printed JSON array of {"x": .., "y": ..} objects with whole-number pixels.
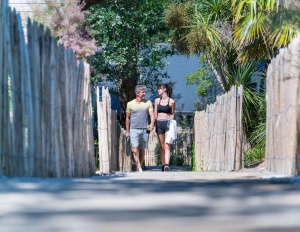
[{"x": 169, "y": 90}]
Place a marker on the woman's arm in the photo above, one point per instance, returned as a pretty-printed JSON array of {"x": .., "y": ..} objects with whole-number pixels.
[
  {"x": 173, "y": 105},
  {"x": 155, "y": 108}
]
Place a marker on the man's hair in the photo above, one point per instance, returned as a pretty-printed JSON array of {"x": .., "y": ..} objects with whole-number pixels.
[{"x": 138, "y": 88}]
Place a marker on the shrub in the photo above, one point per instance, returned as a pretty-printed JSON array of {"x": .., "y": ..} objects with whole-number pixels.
[
  {"x": 193, "y": 160},
  {"x": 67, "y": 22},
  {"x": 255, "y": 155}
]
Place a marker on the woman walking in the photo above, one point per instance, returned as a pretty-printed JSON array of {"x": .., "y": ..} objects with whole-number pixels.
[{"x": 164, "y": 110}]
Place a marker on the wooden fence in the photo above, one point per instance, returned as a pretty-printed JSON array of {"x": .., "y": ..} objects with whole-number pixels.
[
  {"x": 219, "y": 135},
  {"x": 112, "y": 155},
  {"x": 283, "y": 112},
  {"x": 45, "y": 104},
  {"x": 181, "y": 149}
]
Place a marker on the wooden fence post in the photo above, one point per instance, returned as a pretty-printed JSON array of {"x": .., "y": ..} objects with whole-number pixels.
[
  {"x": 104, "y": 161},
  {"x": 239, "y": 156},
  {"x": 5, "y": 124},
  {"x": 50, "y": 101},
  {"x": 282, "y": 135},
  {"x": 218, "y": 134}
]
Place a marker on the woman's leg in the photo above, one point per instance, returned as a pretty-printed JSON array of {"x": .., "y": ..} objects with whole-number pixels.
[
  {"x": 161, "y": 139},
  {"x": 167, "y": 153}
]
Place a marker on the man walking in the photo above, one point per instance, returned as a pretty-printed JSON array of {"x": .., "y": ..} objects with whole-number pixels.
[{"x": 137, "y": 113}]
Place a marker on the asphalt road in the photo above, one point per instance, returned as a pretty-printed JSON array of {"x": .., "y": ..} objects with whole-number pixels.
[{"x": 152, "y": 201}]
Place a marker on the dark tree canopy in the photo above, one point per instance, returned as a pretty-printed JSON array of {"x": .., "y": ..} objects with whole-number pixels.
[
  {"x": 89, "y": 3},
  {"x": 128, "y": 33}
]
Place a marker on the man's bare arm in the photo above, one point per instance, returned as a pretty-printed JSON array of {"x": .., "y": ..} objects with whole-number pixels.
[
  {"x": 152, "y": 118},
  {"x": 127, "y": 124}
]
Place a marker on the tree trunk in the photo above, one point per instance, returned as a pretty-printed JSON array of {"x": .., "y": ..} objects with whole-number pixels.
[
  {"x": 126, "y": 90},
  {"x": 219, "y": 77}
]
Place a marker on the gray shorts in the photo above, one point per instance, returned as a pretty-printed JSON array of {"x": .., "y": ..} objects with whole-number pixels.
[
  {"x": 139, "y": 138},
  {"x": 162, "y": 126}
]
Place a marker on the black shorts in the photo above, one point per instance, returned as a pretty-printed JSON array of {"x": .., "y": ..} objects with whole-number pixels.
[{"x": 162, "y": 126}]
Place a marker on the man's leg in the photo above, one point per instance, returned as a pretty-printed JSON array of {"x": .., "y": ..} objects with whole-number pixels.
[
  {"x": 143, "y": 144},
  {"x": 134, "y": 139},
  {"x": 136, "y": 161},
  {"x": 142, "y": 157}
]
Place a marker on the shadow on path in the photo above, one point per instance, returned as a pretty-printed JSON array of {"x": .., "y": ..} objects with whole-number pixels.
[{"x": 124, "y": 201}]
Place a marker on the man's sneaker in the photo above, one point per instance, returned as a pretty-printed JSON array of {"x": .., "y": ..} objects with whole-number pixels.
[
  {"x": 166, "y": 168},
  {"x": 134, "y": 167},
  {"x": 140, "y": 170}
]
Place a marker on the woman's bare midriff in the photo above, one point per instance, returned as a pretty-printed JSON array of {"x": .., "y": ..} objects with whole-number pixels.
[{"x": 163, "y": 116}]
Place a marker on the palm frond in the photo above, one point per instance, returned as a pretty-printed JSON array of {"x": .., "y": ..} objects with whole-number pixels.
[
  {"x": 283, "y": 36},
  {"x": 249, "y": 28},
  {"x": 240, "y": 74},
  {"x": 258, "y": 133},
  {"x": 202, "y": 33},
  {"x": 241, "y": 8},
  {"x": 257, "y": 49},
  {"x": 285, "y": 26},
  {"x": 252, "y": 102},
  {"x": 216, "y": 9}
]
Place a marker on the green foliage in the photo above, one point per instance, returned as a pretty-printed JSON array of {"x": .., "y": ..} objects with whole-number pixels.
[
  {"x": 289, "y": 19},
  {"x": 205, "y": 81},
  {"x": 128, "y": 32},
  {"x": 258, "y": 126},
  {"x": 177, "y": 159},
  {"x": 255, "y": 129},
  {"x": 66, "y": 21},
  {"x": 185, "y": 122},
  {"x": 96, "y": 154},
  {"x": 204, "y": 27},
  {"x": 263, "y": 26},
  {"x": 157, "y": 153},
  {"x": 229, "y": 32},
  {"x": 193, "y": 160},
  {"x": 255, "y": 155},
  {"x": 241, "y": 73}
]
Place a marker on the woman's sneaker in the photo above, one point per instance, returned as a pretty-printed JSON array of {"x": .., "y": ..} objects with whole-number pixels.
[
  {"x": 134, "y": 167},
  {"x": 166, "y": 168}
]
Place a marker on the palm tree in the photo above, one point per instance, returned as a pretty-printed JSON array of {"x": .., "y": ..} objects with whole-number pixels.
[
  {"x": 202, "y": 27},
  {"x": 241, "y": 74},
  {"x": 230, "y": 34},
  {"x": 207, "y": 27},
  {"x": 263, "y": 26}
]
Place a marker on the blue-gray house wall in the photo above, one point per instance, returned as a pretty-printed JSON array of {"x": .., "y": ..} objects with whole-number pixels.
[
  {"x": 185, "y": 96},
  {"x": 179, "y": 66}
]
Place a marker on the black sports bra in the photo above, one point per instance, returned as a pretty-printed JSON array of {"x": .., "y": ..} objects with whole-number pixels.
[{"x": 164, "y": 109}]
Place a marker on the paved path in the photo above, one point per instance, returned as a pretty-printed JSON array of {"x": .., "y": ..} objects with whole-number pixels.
[{"x": 152, "y": 201}]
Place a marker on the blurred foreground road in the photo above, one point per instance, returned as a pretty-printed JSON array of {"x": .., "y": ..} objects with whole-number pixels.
[{"x": 152, "y": 201}]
